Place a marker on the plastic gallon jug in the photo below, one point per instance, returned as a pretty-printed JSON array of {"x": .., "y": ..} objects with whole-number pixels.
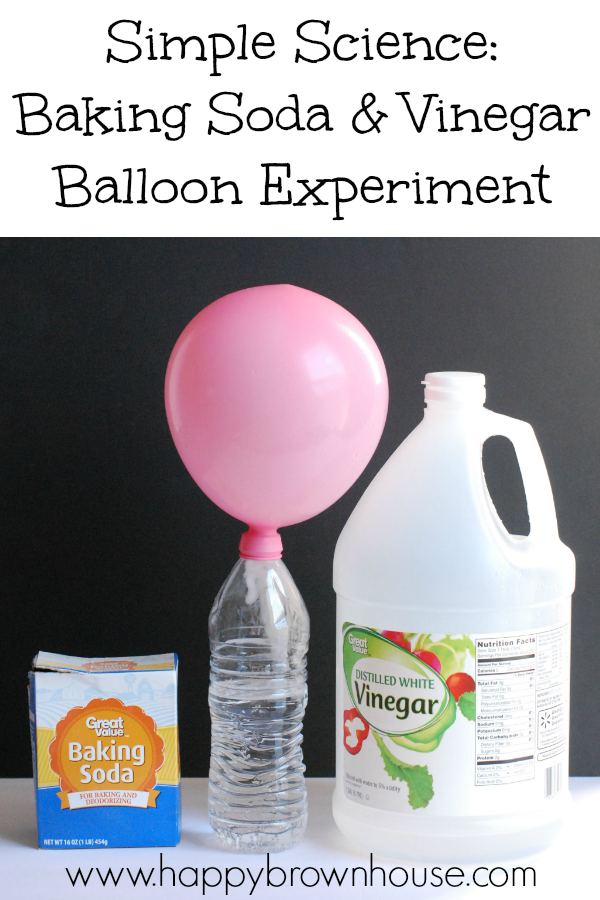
[{"x": 453, "y": 647}]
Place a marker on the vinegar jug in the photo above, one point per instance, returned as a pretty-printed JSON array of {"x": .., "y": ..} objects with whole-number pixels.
[{"x": 452, "y": 647}]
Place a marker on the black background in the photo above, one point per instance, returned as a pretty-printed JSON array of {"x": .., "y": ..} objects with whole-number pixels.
[{"x": 109, "y": 548}]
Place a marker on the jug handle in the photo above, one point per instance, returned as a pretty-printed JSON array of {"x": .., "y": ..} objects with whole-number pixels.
[{"x": 538, "y": 493}]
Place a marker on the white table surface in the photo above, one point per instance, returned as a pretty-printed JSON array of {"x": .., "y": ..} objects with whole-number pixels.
[{"x": 570, "y": 868}]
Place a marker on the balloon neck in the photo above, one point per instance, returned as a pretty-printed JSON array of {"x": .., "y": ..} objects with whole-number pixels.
[{"x": 261, "y": 543}]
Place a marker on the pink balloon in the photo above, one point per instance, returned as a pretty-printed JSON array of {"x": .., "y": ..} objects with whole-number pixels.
[{"x": 276, "y": 399}]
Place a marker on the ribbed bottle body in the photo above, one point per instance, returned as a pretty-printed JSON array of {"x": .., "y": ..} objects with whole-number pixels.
[{"x": 259, "y": 631}]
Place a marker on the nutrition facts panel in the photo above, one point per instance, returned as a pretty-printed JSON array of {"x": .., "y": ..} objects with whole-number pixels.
[{"x": 506, "y": 708}]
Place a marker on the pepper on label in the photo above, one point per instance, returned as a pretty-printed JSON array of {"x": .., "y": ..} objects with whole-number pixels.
[{"x": 355, "y": 730}]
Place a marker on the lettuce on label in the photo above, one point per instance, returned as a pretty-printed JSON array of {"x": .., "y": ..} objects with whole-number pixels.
[
  {"x": 417, "y": 778},
  {"x": 466, "y": 704}
]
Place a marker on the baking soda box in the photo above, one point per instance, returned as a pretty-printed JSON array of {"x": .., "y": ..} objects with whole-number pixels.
[{"x": 105, "y": 751}]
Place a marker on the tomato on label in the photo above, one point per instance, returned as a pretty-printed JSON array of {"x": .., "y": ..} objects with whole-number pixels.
[
  {"x": 398, "y": 638},
  {"x": 355, "y": 731},
  {"x": 460, "y": 683}
]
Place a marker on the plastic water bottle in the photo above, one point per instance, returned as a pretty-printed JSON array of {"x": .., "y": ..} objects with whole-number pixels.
[
  {"x": 453, "y": 647},
  {"x": 259, "y": 629}
]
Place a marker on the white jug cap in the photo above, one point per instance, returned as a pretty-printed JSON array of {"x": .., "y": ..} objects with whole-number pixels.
[{"x": 461, "y": 387}]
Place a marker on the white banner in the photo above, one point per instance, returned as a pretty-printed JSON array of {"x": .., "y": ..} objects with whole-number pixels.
[
  {"x": 85, "y": 799},
  {"x": 334, "y": 119}
]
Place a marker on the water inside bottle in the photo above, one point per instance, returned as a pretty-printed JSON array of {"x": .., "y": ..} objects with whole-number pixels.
[{"x": 259, "y": 630}]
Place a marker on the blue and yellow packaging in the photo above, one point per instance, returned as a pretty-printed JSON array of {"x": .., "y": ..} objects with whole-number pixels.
[{"x": 105, "y": 751}]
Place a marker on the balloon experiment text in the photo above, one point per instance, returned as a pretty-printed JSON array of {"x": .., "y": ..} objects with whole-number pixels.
[{"x": 76, "y": 187}]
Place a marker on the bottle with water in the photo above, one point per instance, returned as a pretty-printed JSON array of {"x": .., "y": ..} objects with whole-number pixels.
[{"x": 259, "y": 629}]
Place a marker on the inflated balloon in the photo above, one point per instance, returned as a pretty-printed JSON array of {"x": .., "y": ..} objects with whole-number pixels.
[{"x": 276, "y": 399}]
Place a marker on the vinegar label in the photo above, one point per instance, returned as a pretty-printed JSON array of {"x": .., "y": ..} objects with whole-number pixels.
[{"x": 454, "y": 724}]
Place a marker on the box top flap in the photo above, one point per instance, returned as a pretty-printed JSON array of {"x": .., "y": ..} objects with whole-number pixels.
[{"x": 56, "y": 662}]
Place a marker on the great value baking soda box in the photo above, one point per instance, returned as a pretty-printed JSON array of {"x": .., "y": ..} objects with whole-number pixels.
[{"x": 105, "y": 751}]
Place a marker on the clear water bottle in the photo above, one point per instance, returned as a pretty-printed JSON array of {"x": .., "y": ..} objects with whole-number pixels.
[{"x": 259, "y": 629}]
